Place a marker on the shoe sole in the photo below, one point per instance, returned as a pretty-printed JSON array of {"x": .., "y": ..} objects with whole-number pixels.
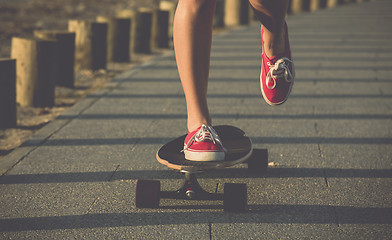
[{"x": 203, "y": 156}]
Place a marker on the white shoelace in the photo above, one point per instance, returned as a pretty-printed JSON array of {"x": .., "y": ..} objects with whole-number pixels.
[
  {"x": 279, "y": 70},
  {"x": 205, "y": 133}
]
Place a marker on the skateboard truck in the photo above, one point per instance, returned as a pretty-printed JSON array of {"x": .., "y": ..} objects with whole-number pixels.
[
  {"x": 148, "y": 193},
  {"x": 192, "y": 190}
]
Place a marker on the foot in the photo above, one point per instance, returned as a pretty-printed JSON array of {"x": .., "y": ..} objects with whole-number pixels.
[
  {"x": 204, "y": 144},
  {"x": 277, "y": 74}
]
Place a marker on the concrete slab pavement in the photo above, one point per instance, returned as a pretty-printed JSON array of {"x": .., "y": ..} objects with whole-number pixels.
[{"x": 331, "y": 141}]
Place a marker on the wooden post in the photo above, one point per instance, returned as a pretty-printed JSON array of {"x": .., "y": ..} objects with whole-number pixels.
[
  {"x": 219, "y": 14},
  {"x": 128, "y": 14},
  {"x": 332, "y": 3},
  {"x": 251, "y": 14},
  {"x": 295, "y": 6},
  {"x": 36, "y": 70},
  {"x": 65, "y": 55},
  {"x": 153, "y": 15},
  {"x": 322, "y": 4},
  {"x": 7, "y": 93},
  {"x": 298, "y": 6},
  {"x": 169, "y": 6},
  {"x": 117, "y": 38},
  {"x": 236, "y": 12},
  {"x": 317, "y": 4},
  {"x": 90, "y": 44},
  {"x": 160, "y": 29},
  {"x": 314, "y": 5},
  {"x": 140, "y": 30}
]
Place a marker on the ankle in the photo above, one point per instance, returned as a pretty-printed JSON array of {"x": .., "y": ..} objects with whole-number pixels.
[
  {"x": 274, "y": 44},
  {"x": 193, "y": 125}
]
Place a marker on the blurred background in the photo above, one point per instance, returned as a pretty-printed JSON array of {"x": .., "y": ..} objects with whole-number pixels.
[{"x": 18, "y": 18}]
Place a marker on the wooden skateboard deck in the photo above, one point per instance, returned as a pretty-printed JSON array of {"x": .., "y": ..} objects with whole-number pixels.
[{"x": 239, "y": 148}]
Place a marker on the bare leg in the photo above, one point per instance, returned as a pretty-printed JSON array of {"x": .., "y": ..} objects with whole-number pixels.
[
  {"x": 271, "y": 14},
  {"x": 192, "y": 32}
]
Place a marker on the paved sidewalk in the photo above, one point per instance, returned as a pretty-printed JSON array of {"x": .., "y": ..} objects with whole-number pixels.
[{"x": 75, "y": 179}]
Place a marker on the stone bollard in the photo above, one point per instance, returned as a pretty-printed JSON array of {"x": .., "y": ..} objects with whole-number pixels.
[
  {"x": 169, "y": 6},
  {"x": 36, "y": 70},
  {"x": 90, "y": 44},
  {"x": 65, "y": 55},
  {"x": 140, "y": 29},
  {"x": 118, "y": 34},
  {"x": 7, "y": 93},
  {"x": 236, "y": 12}
]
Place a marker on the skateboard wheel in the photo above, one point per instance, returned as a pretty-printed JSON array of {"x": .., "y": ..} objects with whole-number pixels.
[
  {"x": 258, "y": 162},
  {"x": 235, "y": 197},
  {"x": 147, "y": 193},
  {"x": 190, "y": 193}
]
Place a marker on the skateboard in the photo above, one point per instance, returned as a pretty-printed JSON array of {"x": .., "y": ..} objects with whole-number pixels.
[{"x": 239, "y": 150}]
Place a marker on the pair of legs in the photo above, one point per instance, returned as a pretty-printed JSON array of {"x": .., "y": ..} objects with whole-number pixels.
[{"x": 192, "y": 42}]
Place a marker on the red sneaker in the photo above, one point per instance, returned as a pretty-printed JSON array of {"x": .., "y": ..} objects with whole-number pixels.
[
  {"x": 277, "y": 74},
  {"x": 204, "y": 144}
]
